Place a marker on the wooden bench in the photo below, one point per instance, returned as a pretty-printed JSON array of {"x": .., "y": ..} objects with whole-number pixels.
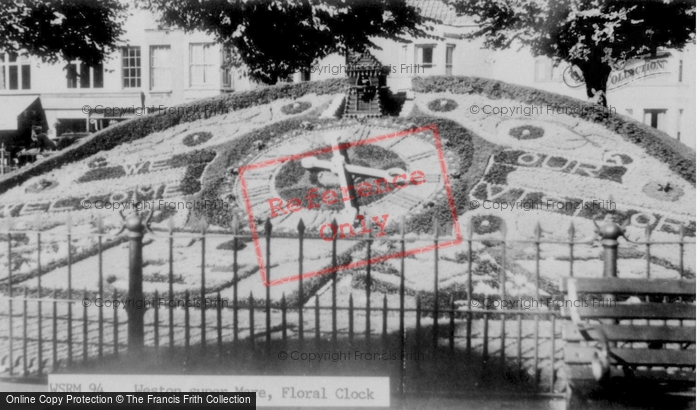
[{"x": 630, "y": 340}]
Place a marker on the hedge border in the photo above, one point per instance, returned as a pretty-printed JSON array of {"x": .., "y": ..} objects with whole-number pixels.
[
  {"x": 140, "y": 127},
  {"x": 679, "y": 158}
]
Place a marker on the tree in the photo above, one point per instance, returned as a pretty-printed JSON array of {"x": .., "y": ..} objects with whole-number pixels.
[
  {"x": 54, "y": 30},
  {"x": 276, "y": 38},
  {"x": 593, "y": 35}
]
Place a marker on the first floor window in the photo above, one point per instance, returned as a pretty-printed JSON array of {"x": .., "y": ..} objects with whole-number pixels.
[
  {"x": 424, "y": 55},
  {"x": 203, "y": 64},
  {"x": 15, "y": 72},
  {"x": 160, "y": 68},
  {"x": 83, "y": 76},
  {"x": 131, "y": 67}
]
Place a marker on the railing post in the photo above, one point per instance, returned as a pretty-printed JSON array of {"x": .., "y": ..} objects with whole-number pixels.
[
  {"x": 609, "y": 231},
  {"x": 136, "y": 229},
  {"x": 300, "y": 298}
]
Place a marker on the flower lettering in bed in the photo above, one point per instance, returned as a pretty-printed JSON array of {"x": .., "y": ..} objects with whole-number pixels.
[
  {"x": 612, "y": 168},
  {"x": 101, "y": 170}
]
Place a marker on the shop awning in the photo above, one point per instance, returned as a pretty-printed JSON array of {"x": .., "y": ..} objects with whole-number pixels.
[{"x": 11, "y": 106}]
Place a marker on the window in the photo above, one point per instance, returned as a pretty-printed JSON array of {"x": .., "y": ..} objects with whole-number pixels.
[
  {"x": 424, "y": 55},
  {"x": 449, "y": 58},
  {"x": 679, "y": 125},
  {"x": 306, "y": 74},
  {"x": 226, "y": 78},
  {"x": 160, "y": 68},
  {"x": 655, "y": 118},
  {"x": 70, "y": 125},
  {"x": 203, "y": 64},
  {"x": 227, "y": 59},
  {"x": 72, "y": 76},
  {"x": 680, "y": 71},
  {"x": 84, "y": 75},
  {"x": 131, "y": 67},
  {"x": 15, "y": 72}
]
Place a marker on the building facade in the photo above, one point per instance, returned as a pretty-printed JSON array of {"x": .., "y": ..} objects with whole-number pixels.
[
  {"x": 155, "y": 69},
  {"x": 159, "y": 68}
]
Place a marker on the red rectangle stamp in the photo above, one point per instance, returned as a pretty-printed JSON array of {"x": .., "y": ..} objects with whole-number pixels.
[{"x": 344, "y": 184}]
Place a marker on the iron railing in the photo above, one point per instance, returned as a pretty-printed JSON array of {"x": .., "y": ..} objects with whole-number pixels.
[{"x": 50, "y": 330}]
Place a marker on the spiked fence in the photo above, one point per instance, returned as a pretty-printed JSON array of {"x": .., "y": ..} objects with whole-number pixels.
[{"x": 45, "y": 330}]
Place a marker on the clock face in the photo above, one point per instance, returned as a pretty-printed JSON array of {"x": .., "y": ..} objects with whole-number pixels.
[{"x": 393, "y": 173}]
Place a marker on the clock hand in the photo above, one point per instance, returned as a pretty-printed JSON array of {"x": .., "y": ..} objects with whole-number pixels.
[
  {"x": 313, "y": 162},
  {"x": 338, "y": 166}
]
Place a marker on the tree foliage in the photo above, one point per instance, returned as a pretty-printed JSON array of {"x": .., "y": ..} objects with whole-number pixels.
[
  {"x": 593, "y": 35},
  {"x": 55, "y": 30},
  {"x": 276, "y": 38}
]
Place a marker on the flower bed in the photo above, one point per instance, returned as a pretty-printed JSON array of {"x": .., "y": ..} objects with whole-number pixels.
[
  {"x": 196, "y": 138},
  {"x": 526, "y": 132},
  {"x": 296, "y": 107},
  {"x": 41, "y": 186},
  {"x": 442, "y": 105},
  {"x": 486, "y": 224},
  {"x": 654, "y": 142}
]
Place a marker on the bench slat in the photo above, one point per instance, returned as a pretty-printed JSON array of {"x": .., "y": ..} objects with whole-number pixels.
[
  {"x": 583, "y": 372},
  {"x": 671, "y": 287},
  {"x": 635, "y": 357},
  {"x": 666, "y": 311},
  {"x": 633, "y": 333}
]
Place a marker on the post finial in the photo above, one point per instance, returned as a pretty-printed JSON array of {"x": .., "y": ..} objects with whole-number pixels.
[{"x": 608, "y": 229}]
